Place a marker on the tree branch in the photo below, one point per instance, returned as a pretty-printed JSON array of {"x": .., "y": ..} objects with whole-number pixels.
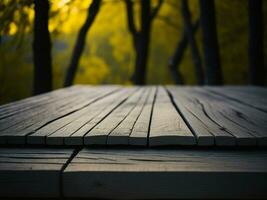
[
  {"x": 130, "y": 16},
  {"x": 192, "y": 41},
  {"x": 156, "y": 10},
  {"x": 176, "y": 59},
  {"x": 80, "y": 42}
]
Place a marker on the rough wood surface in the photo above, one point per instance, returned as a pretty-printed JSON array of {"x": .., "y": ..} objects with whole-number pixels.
[
  {"x": 31, "y": 172},
  {"x": 167, "y": 126},
  {"x": 166, "y": 174},
  {"x": 120, "y": 135},
  {"x": 145, "y": 116},
  {"x": 252, "y": 96},
  {"x": 229, "y": 122},
  {"x": 99, "y": 134},
  {"x": 17, "y": 133},
  {"x": 139, "y": 134},
  {"x": 77, "y": 137},
  {"x": 86, "y": 116},
  {"x": 142, "y": 116}
]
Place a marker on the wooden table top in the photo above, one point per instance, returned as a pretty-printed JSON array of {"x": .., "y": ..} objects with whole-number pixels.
[
  {"x": 152, "y": 142},
  {"x": 139, "y": 116}
]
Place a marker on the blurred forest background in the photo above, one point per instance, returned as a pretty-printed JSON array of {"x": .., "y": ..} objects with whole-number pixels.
[{"x": 109, "y": 55}]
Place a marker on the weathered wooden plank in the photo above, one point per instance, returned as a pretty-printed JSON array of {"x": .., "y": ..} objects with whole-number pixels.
[
  {"x": 202, "y": 125},
  {"x": 34, "y": 117},
  {"x": 167, "y": 126},
  {"x": 98, "y": 135},
  {"x": 209, "y": 114},
  {"x": 38, "y": 101},
  {"x": 139, "y": 134},
  {"x": 26, "y": 172},
  {"x": 22, "y": 117},
  {"x": 166, "y": 174},
  {"x": 88, "y": 114},
  {"x": 247, "y": 124},
  {"x": 16, "y": 134},
  {"x": 251, "y": 96},
  {"x": 39, "y": 137},
  {"x": 76, "y": 138},
  {"x": 222, "y": 116},
  {"x": 120, "y": 135}
]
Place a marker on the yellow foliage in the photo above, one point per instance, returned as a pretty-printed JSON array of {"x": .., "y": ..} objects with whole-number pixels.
[
  {"x": 92, "y": 70},
  {"x": 13, "y": 28},
  {"x": 109, "y": 56}
]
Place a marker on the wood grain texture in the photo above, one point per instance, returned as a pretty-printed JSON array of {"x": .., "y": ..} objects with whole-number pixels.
[
  {"x": 247, "y": 124},
  {"x": 35, "y": 101},
  {"x": 167, "y": 126},
  {"x": 155, "y": 116},
  {"x": 139, "y": 134},
  {"x": 77, "y": 138},
  {"x": 86, "y": 115},
  {"x": 22, "y": 122},
  {"x": 120, "y": 135},
  {"x": 166, "y": 174},
  {"x": 26, "y": 172},
  {"x": 20, "y": 117},
  {"x": 204, "y": 127},
  {"x": 99, "y": 134},
  {"x": 208, "y": 113},
  {"x": 17, "y": 134},
  {"x": 255, "y": 97}
]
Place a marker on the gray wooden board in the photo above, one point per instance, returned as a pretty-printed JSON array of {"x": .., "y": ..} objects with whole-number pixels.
[
  {"x": 16, "y": 134},
  {"x": 61, "y": 127},
  {"x": 120, "y": 135},
  {"x": 26, "y": 172},
  {"x": 247, "y": 124},
  {"x": 88, "y": 114},
  {"x": 222, "y": 116},
  {"x": 36, "y": 101},
  {"x": 99, "y": 134},
  {"x": 203, "y": 125},
  {"x": 76, "y": 138},
  {"x": 29, "y": 119},
  {"x": 166, "y": 174},
  {"x": 251, "y": 96},
  {"x": 139, "y": 134},
  {"x": 21, "y": 117},
  {"x": 212, "y": 114},
  {"x": 19, "y": 103},
  {"x": 167, "y": 126},
  {"x": 21, "y": 120}
]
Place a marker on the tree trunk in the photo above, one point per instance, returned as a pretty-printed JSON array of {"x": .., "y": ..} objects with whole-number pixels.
[
  {"x": 255, "y": 52},
  {"x": 42, "y": 48},
  {"x": 141, "y": 38},
  {"x": 142, "y": 46},
  {"x": 80, "y": 42},
  {"x": 194, "y": 49},
  {"x": 175, "y": 61},
  {"x": 213, "y": 75}
]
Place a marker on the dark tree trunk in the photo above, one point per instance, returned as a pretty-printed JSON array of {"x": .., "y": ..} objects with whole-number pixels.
[
  {"x": 141, "y": 38},
  {"x": 255, "y": 53},
  {"x": 213, "y": 75},
  {"x": 194, "y": 49},
  {"x": 80, "y": 42},
  {"x": 42, "y": 48},
  {"x": 142, "y": 46},
  {"x": 175, "y": 61}
]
